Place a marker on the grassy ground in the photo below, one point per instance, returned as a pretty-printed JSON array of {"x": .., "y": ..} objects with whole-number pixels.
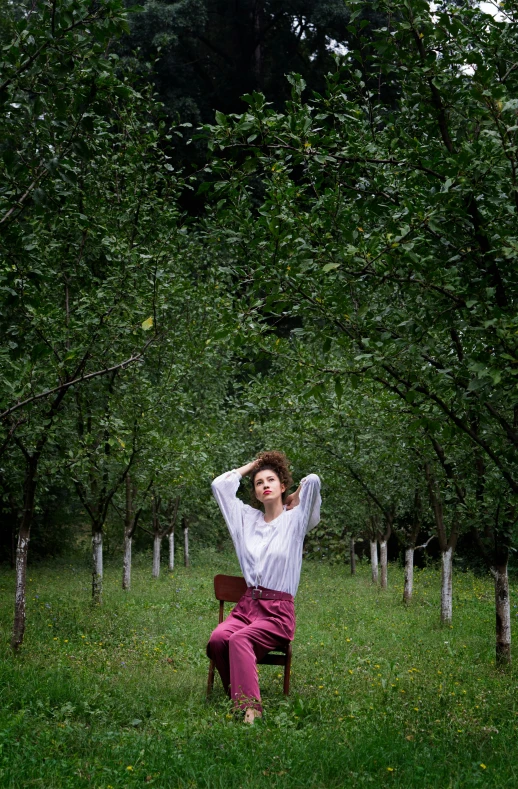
[{"x": 115, "y": 696}]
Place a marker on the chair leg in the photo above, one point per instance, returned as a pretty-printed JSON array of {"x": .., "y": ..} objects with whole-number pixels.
[
  {"x": 210, "y": 680},
  {"x": 287, "y": 671}
]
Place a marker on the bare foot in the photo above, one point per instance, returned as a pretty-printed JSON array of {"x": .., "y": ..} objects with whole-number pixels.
[{"x": 251, "y": 714}]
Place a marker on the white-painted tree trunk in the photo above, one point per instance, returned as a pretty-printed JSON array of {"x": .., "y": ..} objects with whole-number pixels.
[
  {"x": 409, "y": 576},
  {"x": 157, "y": 545},
  {"x": 171, "y": 551},
  {"x": 20, "y": 593},
  {"x": 126, "y": 562},
  {"x": 447, "y": 586},
  {"x": 383, "y": 564},
  {"x": 352, "y": 555},
  {"x": 374, "y": 561},
  {"x": 503, "y": 615},
  {"x": 97, "y": 566},
  {"x": 186, "y": 546}
]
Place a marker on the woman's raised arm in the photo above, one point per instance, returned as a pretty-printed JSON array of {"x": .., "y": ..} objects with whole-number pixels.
[{"x": 244, "y": 470}]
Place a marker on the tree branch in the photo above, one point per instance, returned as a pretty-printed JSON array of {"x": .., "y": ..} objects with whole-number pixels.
[{"x": 78, "y": 380}]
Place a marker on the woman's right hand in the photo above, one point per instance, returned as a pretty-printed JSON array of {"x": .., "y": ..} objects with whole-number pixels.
[{"x": 244, "y": 470}]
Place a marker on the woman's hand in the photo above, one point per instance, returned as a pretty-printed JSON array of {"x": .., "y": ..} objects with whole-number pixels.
[
  {"x": 293, "y": 500},
  {"x": 244, "y": 470}
]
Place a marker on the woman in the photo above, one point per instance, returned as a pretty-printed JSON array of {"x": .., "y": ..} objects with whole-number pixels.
[{"x": 269, "y": 549}]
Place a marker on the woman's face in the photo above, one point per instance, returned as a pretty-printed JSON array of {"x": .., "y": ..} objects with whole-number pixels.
[{"x": 267, "y": 486}]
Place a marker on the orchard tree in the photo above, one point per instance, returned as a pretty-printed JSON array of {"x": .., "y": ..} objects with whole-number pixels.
[
  {"x": 389, "y": 232},
  {"x": 87, "y": 208}
]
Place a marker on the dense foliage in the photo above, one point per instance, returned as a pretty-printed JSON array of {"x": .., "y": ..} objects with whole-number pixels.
[{"x": 347, "y": 293}]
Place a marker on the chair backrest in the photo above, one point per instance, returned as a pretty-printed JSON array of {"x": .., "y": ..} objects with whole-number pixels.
[{"x": 229, "y": 588}]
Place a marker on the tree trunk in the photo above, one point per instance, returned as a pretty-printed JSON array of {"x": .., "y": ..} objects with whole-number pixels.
[
  {"x": 126, "y": 562},
  {"x": 128, "y": 535},
  {"x": 21, "y": 555},
  {"x": 446, "y": 585},
  {"x": 409, "y": 576},
  {"x": 383, "y": 563},
  {"x": 21, "y": 579},
  {"x": 374, "y": 561},
  {"x": 171, "y": 551},
  {"x": 503, "y": 615},
  {"x": 186, "y": 545},
  {"x": 352, "y": 556},
  {"x": 97, "y": 566},
  {"x": 157, "y": 545}
]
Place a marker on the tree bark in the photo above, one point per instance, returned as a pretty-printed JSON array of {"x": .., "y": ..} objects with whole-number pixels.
[
  {"x": 446, "y": 585},
  {"x": 409, "y": 576},
  {"x": 128, "y": 535},
  {"x": 21, "y": 555},
  {"x": 447, "y": 547},
  {"x": 157, "y": 546},
  {"x": 171, "y": 551},
  {"x": 186, "y": 543},
  {"x": 374, "y": 561},
  {"x": 352, "y": 556},
  {"x": 503, "y": 615},
  {"x": 97, "y": 566},
  {"x": 383, "y": 563},
  {"x": 126, "y": 562},
  {"x": 20, "y": 594}
]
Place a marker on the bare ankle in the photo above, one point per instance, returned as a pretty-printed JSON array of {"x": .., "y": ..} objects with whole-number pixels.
[{"x": 251, "y": 714}]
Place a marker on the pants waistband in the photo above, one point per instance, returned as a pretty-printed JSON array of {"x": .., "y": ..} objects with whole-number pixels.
[{"x": 261, "y": 593}]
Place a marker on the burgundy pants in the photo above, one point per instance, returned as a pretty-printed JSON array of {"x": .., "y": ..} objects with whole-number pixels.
[{"x": 249, "y": 632}]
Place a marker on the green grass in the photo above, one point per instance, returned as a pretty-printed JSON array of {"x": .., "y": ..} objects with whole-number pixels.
[{"x": 115, "y": 696}]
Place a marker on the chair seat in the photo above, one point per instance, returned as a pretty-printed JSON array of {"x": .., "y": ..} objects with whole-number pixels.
[{"x": 271, "y": 659}]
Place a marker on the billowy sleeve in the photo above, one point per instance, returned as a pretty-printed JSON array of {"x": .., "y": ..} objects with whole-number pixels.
[
  {"x": 224, "y": 489},
  {"x": 310, "y": 501}
]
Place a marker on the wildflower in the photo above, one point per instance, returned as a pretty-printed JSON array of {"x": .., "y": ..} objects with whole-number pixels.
[
  {"x": 483, "y": 766},
  {"x": 129, "y": 768},
  {"x": 390, "y": 769}
]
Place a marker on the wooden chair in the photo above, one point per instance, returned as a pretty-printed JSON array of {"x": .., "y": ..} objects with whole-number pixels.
[{"x": 230, "y": 589}]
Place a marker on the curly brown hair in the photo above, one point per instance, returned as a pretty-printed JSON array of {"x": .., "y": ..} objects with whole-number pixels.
[{"x": 273, "y": 461}]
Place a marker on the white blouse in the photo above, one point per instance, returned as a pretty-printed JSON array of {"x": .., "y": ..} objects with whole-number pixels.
[{"x": 270, "y": 554}]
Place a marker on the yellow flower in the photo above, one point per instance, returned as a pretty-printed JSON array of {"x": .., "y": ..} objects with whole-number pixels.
[
  {"x": 129, "y": 768},
  {"x": 390, "y": 769},
  {"x": 483, "y": 766}
]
